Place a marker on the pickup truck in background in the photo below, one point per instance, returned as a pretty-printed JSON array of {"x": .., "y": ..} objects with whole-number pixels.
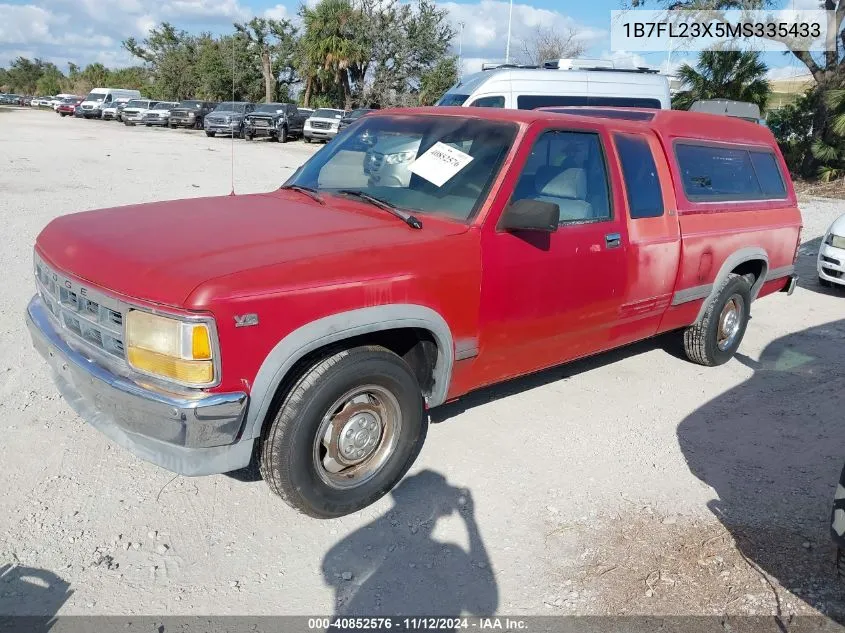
[
  {"x": 307, "y": 330},
  {"x": 278, "y": 121}
]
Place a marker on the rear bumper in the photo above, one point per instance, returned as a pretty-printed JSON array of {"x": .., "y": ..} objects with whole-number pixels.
[
  {"x": 186, "y": 436},
  {"x": 791, "y": 282}
]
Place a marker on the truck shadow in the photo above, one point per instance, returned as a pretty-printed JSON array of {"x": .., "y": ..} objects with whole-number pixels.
[
  {"x": 30, "y": 598},
  {"x": 395, "y": 566},
  {"x": 772, "y": 449}
]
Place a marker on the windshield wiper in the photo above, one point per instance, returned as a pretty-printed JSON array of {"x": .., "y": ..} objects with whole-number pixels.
[
  {"x": 406, "y": 217},
  {"x": 308, "y": 191}
]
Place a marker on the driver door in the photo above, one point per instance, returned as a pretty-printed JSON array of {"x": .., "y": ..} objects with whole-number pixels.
[{"x": 547, "y": 298}]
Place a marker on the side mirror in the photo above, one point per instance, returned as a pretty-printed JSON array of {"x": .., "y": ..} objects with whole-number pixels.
[{"x": 531, "y": 215}]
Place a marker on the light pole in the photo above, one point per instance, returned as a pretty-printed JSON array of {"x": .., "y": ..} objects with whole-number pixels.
[
  {"x": 508, "y": 48},
  {"x": 461, "y": 51}
]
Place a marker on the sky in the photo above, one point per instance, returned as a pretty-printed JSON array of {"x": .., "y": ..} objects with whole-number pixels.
[{"x": 86, "y": 31}]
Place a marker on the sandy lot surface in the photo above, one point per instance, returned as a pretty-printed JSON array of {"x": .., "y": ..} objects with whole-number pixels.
[{"x": 635, "y": 482}]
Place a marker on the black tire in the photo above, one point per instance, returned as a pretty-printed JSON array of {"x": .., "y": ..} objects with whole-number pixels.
[
  {"x": 282, "y": 137},
  {"x": 247, "y": 137},
  {"x": 210, "y": 133},
  {"x": 127, "y": 123},
  {"x": 287, "y": 450},
  {"x": 307, "y": 139},
  {"x": 701, "y": 339},
  {"x": 62, "y": 114},
  {"x": 824, "y": 283},
  {"x": 239, "y": 134}
]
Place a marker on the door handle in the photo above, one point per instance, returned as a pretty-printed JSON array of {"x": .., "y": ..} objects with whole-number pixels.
[{"x": 613, "y": 240}]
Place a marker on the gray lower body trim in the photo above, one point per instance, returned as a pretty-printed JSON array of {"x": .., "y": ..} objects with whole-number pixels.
[
  {"x": 466, "y": 348},
  {"x": 691, "y": 294},
  {"x": 187, "y": 436},
  {"x": 779, "y": 273}
]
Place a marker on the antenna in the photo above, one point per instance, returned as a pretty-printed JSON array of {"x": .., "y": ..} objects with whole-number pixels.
[{"x": 232, "y": 193}]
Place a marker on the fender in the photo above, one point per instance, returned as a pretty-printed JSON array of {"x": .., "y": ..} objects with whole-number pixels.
[
  {"x": 338, "y": 327},
  {"x": 732, "y": 261}
]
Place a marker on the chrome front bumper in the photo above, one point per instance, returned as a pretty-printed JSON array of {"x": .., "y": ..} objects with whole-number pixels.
[{"x": 189, "y": 436}]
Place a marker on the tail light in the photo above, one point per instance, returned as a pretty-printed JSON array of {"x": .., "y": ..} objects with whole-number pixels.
[{"x": 797, "y": 245}]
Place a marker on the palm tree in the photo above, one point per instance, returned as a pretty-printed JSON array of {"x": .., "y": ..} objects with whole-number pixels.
[
  {"x": 329, "y": 44},
  {"x": 735, "y": 75},
  {"x": 830, "y": 150}
]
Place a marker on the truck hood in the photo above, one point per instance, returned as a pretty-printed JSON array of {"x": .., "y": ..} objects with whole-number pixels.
[{"x": 160, "y": 252}]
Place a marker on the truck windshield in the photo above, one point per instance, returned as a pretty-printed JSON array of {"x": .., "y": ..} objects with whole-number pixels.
[
  {"x": 93, "y": 96},
  {"x": 452, "y": 99},
  {"x": 424, "y": 164},
  {"x": 230, "y": 106}
]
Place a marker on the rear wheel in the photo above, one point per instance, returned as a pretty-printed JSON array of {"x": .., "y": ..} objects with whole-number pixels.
[
  {"x": 345, "y": 434},
  {"x": 714, "y": 339}
]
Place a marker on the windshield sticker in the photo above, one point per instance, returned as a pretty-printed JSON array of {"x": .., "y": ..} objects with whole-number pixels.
[{"x": 439, "y": 163}]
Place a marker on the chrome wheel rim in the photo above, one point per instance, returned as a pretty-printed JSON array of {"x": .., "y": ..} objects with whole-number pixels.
[
  {"x": 356, "y": 436},
  {"x": 730, "y": 321}
]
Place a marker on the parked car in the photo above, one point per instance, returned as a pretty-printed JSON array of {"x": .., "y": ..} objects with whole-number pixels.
[
  {"x": 134, "y": 111},
  {"x": 100, "y": 98},
  {"x": 350, "y": 117},
  {"x": 159, "y": 114},
  {"x": 228, "y": 118},
  {"x": 278, "y": 121},
  {"x": 10, "y": 99},
  {"x": 831, "y": 259},
  {"x": 190, "y": 113},
  {"x": 307, "y": 112},
  {"x": 323, "y": 319},
  {"x": 564, "y": 82},
  {"x": 322, "y": 125},
  {"x": 68, "y": 106},
  {"x": 109, "y": 112}
]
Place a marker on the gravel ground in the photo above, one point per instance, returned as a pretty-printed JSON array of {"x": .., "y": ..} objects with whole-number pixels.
[{"x": 634, "y": 482}]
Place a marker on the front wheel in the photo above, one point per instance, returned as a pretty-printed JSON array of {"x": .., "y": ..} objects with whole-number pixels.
[
  {"x": 715, "y": 338},
  {"x": 63, "y": 114},
  {"x": 248, "y": 137},
  {"x": 345, "y": 434},
  {"x": 210, "y": 133},
  {"x": 824, "y": 283},
  {"x": 307, "y": 139},
  {"x": 283, "y": 135}
]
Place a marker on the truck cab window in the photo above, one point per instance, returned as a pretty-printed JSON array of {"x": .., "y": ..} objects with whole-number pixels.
[
  {"x": 489, "y": 102},
  {"x": 567, "y": 169},
  {"x": 642, "y": 186}
]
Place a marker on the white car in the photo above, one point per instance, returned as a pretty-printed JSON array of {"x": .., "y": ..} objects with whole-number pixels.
[
  {"x": 322, "y": 125},
  {"x": 109, "y": 113},
  {"x": 831, "y": 263}
]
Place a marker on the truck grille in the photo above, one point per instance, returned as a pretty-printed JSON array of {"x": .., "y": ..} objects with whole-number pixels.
[
  {"x": 92, "y": 319},
  {"x": 320, "y": 125}
]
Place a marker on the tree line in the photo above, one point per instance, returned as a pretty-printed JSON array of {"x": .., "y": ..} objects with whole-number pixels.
[{"x": 342, "y": 53}]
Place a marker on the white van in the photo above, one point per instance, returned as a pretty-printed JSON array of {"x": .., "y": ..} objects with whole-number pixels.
[
  {"x": 564, "y": 82},
  {"x": 100, "y": 98}
]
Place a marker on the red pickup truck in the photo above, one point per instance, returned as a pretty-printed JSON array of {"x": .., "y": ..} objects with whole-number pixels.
[{"x": 424, "y": 253}]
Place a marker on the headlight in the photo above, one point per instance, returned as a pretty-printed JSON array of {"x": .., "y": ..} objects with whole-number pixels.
[
  {"x": 836, "y": 241},
  {"x": 401, "y": 157},
  {"x": 170, "y": 348}
]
